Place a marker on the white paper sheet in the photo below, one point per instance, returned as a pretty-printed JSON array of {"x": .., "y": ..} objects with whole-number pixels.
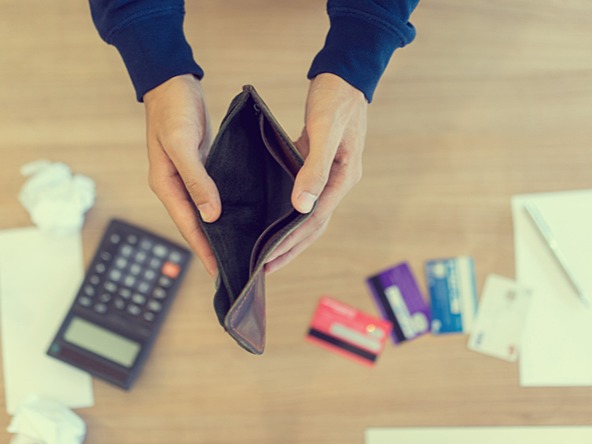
[
  {"x": 481, "y": 435},
  {"x": 39, "y": 276},
  {"x": 558, "y": 330}
]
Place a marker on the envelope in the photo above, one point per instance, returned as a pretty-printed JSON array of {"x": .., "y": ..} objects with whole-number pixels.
[{"x": 558, "y": 329}]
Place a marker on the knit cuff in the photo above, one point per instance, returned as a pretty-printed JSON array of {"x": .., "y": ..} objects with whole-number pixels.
[
  {"x": 356, "y": 50},
  {"x": 154, "y": 50}
]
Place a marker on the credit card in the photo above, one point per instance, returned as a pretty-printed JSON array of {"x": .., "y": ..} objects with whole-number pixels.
[
  {"x": 401, "y": 302},
  {"x": 347, "y": 331},
  {"x": 453, "y": 294},
  {"x": 500, "y": 319}
]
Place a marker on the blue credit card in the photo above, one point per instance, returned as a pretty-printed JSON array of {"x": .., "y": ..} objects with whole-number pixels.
[{"x": 453, "y": 294}]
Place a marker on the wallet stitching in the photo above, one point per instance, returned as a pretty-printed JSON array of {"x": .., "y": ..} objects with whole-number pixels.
[
  {"x": 299, "y": 219},
  {"x": 277, "y": 222},
  {"x": 292, "y": 152},
  {"x": 233, "y": 111},
  {"x": 231, "y": 114},
  {"x": 241, "y": 299},
  {"x": 266, "y": 231},
  {"x": 267, "y": 144},
  {"x": 287, "y": 231},
  {"x": 221, "y": 275},
  {"x": 283, "y": 136}
]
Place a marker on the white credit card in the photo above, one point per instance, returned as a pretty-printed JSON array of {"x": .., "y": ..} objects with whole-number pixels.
[{"x": 500, "y": 319}]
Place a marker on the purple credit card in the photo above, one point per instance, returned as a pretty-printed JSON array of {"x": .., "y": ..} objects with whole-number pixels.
[{"x": 400, "y": 301}]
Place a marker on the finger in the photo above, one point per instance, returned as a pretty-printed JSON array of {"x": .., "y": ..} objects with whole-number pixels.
[
  {"x": 170, "y": 189},
  {"x": 181, "y": 209},
  {"x": 302, "y": 144},
  {"x": 309, "y": 227},
  {"x": 284, "y": 259},
  {"x": 324, "y": 138},
  {"x": 184, "y": 154},
  {"x": 342, "y": 178},
  {"x": 316, "y": 223}
]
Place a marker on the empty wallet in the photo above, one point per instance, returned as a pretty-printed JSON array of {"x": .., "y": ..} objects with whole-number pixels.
[{"x": 253, "y": 163}]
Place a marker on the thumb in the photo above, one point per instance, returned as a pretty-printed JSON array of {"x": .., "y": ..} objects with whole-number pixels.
[
  {"x": 204, "y": 193},
  {"x": 200, "y": 186},
  {"x": 314, "y": 174}
]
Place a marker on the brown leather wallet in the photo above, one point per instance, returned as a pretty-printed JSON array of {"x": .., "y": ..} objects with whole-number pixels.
[{"x": 253, "y": 163}]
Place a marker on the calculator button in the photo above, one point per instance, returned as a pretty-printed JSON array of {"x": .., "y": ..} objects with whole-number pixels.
[
  {"x": 89, "y": 290},
  {"x": 94, "y": 279},
  {"x": 119, "y": 304},
  {"x": 105, "y": 297},
  {"x": 170, "y": 270},
  {"x": 175, "y": 257},
  {"x": 127, "y": 250},
  {"x": 100, "y": 268},
  {"x": 134, "y": 310},
  {"x": 105, "y": 255},
  {"x": 155, "y": 263},
  {"x": 146, "y": 244},
  {"x": 154, "y": 306},
  {"x": 129, "y": 281},
  {"x": 159, "y": 293},
  {"x": 135, "y": 269},
  {"x": 120, "y": 262},
  {"x": 84, "y": 301},
  {"x": 164, "y": 281},
  {"x": 144, "y": 287},
  {"x": 160, "y": 250},
  {"x": 139, "y": 299},
  {"x": 141, "y": 256},
  {"x": 100, "y": 308},
  {"x": 110, "y": 286},
  {"x": 115, "y": 238},
  {"x": 149, "y": 316},
  {"x": 132, "y": 239},
  {"x": 125, "y": 293},
  {"x": 149, "y": 275},
  {"x": 115, "y": 275}
]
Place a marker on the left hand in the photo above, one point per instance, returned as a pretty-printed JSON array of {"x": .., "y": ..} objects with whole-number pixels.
[{"x": 331, "y": 143}]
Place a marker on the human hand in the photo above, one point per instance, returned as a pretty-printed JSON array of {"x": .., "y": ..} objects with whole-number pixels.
[
  {"x": 179, "y": 138},
  {"x": 331, "y": 143}
]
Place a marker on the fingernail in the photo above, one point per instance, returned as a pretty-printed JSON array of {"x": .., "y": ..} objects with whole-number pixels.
[
  {"x": 206, "y": 211},
  {"x": 306, "y": 201}
]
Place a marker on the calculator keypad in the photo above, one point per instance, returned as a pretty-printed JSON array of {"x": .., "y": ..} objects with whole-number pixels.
[{"x": 132, "y": 278}]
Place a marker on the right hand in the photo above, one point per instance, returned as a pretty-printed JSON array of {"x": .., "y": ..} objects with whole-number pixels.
[{"x": 179, "y": 138}]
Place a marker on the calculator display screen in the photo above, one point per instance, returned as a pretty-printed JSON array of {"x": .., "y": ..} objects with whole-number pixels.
[{"x": 102, "y": 342}]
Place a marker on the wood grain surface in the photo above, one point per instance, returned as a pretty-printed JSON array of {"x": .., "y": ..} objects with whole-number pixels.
[{"x": 491, "y": 100}]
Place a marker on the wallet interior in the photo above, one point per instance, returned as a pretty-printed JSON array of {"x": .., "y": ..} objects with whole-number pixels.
[{"x": 253, "y": 165}]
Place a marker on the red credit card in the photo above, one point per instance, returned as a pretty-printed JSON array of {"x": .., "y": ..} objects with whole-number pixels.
[{"x": 347, "y": 331}]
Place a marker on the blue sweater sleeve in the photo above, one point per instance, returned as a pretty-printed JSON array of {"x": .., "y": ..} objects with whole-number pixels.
[
  {"x": 149, "y": 36},
  {"x": 362, "y": 37}
]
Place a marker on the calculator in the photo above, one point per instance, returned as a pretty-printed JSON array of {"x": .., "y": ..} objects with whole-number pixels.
[{"x": 121, "y": 304}]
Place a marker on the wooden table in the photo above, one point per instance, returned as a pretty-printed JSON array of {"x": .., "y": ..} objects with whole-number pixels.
[{"x": 491, "y": 100}]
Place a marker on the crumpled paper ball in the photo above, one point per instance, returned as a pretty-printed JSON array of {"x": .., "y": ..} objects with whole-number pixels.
[
  {"x": 44, "y": 421},
  {"x": 56, "y": 199}
]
